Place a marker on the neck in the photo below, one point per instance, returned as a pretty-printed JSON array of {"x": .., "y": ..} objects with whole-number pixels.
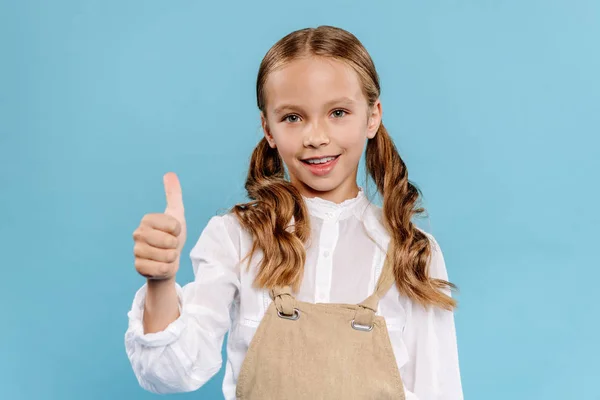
[{"x": 337, "y": 195}]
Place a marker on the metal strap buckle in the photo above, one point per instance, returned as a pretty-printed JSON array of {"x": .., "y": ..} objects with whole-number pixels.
[
  {"x": 292, "y": 317},
  {"x": 359, "y": 327}
]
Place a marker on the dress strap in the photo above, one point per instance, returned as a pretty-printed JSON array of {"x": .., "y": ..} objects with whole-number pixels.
[
  {"x": 386, "y": 278},
  {"x": 367, "y": 309},
  {"x": 284, "y": 300}
]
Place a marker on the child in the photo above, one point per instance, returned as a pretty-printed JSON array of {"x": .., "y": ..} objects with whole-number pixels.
[{"x": 324, "y": 294}]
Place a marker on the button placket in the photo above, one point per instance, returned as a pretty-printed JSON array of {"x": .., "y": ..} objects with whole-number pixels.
[{"x": 327, "y": 241}]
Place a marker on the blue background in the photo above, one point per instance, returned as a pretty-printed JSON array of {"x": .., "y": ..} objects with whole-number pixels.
[{"x": 494, "y": 105}]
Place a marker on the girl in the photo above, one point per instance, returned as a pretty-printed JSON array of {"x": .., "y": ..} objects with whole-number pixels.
[{"x": 324, "y": 294}]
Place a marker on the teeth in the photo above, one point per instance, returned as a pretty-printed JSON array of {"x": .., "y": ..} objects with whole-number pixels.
[{"x": 320, "y": 160}]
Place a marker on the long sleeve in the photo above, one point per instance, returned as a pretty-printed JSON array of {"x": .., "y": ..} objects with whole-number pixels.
[
  {"x": 187, "y": 353},
  {"x": 432, "y": 372}
]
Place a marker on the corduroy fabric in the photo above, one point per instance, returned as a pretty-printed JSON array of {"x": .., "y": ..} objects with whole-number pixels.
[{"x": 320, "y": 355}]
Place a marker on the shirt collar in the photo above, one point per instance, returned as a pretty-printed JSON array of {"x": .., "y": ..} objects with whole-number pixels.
[{"x": 329, "y": 210}]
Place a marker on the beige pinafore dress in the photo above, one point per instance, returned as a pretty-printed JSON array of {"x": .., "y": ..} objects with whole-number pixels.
[{"x": 321, "y": 351}]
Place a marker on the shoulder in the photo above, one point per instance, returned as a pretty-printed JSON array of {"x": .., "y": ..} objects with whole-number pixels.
[
  {"x": 226, "y": 223},
  {"x": 437, "y": 264},
  {"x": 223, "y": 231},
  {"x": 373, "y": 218},
  {"x": 435, "y": 246},
  {"x": 229, "y": 224}
]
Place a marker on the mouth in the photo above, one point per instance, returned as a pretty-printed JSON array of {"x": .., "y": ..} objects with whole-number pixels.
[
  {"x": 321, "y": 166},
  {"x": 319, "y": 160}
]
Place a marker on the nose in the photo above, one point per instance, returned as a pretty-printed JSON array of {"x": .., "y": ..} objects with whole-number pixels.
[{"x": 316, "y": 137}]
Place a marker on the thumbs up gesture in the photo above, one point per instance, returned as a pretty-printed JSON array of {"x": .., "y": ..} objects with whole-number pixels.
[{"x": 159, "y": 238}]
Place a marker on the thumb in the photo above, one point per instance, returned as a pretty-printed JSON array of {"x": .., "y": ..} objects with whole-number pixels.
[{"x": 173, "y": 193}]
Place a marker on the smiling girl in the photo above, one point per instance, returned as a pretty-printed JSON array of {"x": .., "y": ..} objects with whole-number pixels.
[{"x": 324, "y": 294}]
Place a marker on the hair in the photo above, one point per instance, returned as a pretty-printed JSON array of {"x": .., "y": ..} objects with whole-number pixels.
[{"x": 277, "y": 216}]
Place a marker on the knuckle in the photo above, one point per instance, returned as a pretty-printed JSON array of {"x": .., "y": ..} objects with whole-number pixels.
[
  {"x": 164, "y": 269},
  {"x": 172, "y": 223},
  {"x": 162, "y": 240},
  {"x": 149, "y": 219},
  {"x": 137, "y": 234},
  {"x": 139, "y": 264},
  {"x": 137, "y": 249},
  {"x": 174, "y": 226},
  {"x": 171, "y": 256}
]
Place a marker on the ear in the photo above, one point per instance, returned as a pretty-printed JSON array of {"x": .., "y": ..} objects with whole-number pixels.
[
  {"x": 374, "y": 120},
  {"x": 266, "y": 130}
]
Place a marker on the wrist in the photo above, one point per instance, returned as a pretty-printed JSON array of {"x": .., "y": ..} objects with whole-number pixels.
[{"x": 161, "y": 282}]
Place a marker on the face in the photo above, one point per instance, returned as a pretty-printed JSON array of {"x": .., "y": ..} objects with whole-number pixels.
[{"x": 319, "y": 121}]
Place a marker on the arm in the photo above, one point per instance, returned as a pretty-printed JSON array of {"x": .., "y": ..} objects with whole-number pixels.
[
  {"x": 432, "y": 372},
  {"x": 187, "y": 353}
]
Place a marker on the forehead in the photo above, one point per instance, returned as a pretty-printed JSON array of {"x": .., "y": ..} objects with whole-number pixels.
[{"x": 311, "y": 81}]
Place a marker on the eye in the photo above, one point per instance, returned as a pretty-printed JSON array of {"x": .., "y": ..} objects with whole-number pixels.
[
  {"x": 339, "y": 113},
  {"x": 291, "y": 118}
]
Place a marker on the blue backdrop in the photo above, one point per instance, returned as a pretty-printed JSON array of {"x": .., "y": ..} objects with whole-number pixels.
[{"x": 494, "y": 105}]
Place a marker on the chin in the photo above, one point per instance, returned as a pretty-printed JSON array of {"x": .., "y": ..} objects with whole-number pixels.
[{"x": 322, "y": 187}]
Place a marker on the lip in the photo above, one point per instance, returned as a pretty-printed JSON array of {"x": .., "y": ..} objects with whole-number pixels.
[
  {"x": 321, "y": 169},
  {"x": 318, "y": 157}
]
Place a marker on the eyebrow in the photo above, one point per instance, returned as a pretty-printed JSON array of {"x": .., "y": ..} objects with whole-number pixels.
[{"x": 342, "y": 101}]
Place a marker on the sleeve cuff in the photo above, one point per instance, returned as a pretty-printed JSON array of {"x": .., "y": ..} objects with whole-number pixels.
[{"x": 157, "y": 339}]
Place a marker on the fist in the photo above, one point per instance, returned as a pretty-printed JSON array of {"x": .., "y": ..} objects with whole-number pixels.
[{"x": 159, "y": 238}]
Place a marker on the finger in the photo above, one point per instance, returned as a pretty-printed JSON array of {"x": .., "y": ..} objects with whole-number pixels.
[
  {"x": 153, "y": 269},
  {"x": 144, "y": 250},
  {"x": 156, "y": 238},
  {"x": 173, "y": 192},
  {"x": 162, "y": 222}
]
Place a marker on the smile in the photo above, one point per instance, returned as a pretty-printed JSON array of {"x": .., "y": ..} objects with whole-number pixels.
[
  {"x": 321, "y": 166},
  {"x": 323, "y": 160}
]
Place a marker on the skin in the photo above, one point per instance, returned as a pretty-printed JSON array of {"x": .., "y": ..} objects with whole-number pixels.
[
  {"x": 158, "y": 242},
  {"x": 315, "y": 107},
  {"x": 316, "y": 124}
]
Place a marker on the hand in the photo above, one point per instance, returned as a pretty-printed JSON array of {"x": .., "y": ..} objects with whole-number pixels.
[{"x": 159, "y": 238}]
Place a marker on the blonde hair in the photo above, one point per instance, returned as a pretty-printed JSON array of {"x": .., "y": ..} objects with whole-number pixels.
[{"x": 276, "y": 202}]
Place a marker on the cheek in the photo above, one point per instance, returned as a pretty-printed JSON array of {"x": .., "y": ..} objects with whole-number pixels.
[
  {"x": 352, "y": 140},
  {"x": 287, "y": 146}
]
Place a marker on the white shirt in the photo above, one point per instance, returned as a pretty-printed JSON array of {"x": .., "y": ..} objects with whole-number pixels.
[{"x": 344, "y": 257}]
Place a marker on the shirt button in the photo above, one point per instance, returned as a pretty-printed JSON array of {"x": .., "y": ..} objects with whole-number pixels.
[
  {"x": 329, "y": 215},
  {"x": 326, "y": 253}
]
